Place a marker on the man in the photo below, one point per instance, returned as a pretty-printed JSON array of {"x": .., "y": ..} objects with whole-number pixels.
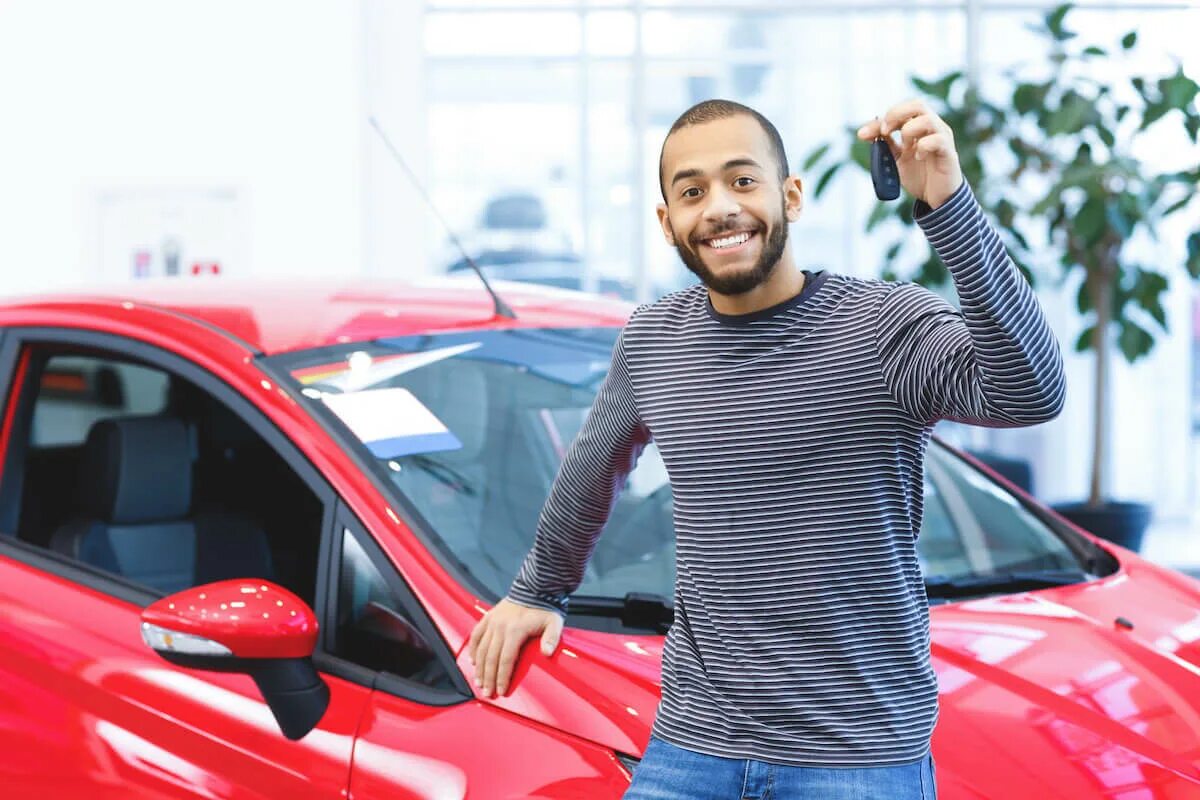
[{"x": 792, "y": 410}]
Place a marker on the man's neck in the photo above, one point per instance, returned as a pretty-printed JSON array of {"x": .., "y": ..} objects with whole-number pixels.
[{"x": 786, "y": 282}]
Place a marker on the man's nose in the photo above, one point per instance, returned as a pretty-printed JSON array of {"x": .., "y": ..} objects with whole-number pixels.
[{"x": 721, "y": 204}]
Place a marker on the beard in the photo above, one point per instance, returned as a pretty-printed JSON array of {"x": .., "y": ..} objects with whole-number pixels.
[{"x": 740, "y": 282}]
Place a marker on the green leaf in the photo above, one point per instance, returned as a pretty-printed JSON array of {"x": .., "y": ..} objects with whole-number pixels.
[
  {"x": 1083, "y": 298},
  {"x": 1084, "y": 342},
  {"x": 823, "y": 181},
  {"x": 1178, "y": 204},
  {"x": 1106, "y": 136},
  {"x": 1192, "y": 125},
  {"x": 890, "y": 255},
  {"x": 1054, "y": 22},
  {"x": 815, "y": 156},
  {"x": 1153, "y": 112},
  {"x": 1119, "y": 214},
  {"x": 939, "y": 88},
  {"x": 1089, "y": 222},
  {"x": 1094, "y": 51},
  {"x": 1129, "y": 40},
  {"x": 1028, "y": 96},
  {"x": 1193, "y": 255},
  {"x": 1147, "y": 291},
  {"x": 1071, "y": 116},
  {"x": 860, "y": 153},
  {"x": 1178, "y": 91},
  {"x": 1134, "y": 340}
]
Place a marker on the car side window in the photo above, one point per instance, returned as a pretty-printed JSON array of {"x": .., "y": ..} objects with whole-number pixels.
[
  {"x": 374, "y": 628},
  {"x": 134, "y": 470},
  {"x": 76, "y": 391}
]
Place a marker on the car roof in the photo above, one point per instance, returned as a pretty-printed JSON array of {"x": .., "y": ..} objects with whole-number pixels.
[{"x": 282, "y": 314}]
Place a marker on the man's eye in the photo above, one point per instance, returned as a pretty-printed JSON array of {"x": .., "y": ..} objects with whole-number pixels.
[
  {"x": 691, "y": 189},
  {"x": 744, "y": 178}
]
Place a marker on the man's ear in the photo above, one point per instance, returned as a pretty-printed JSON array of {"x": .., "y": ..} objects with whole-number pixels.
[
  {"x": 665, "y": 222},
  {"x": 793, "y": 197}
]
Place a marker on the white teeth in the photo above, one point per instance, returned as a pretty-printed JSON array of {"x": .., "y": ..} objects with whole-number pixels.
[{"x": 729, "y": 241}]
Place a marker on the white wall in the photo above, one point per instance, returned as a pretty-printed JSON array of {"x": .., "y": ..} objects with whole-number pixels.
[{"x": 266, "y": 97}]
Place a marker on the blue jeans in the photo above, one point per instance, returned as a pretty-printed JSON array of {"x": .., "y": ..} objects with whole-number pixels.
[{"x": 667, "y": 772}]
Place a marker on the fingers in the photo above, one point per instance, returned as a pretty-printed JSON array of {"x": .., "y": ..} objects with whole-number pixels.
[
  {"x": 900, "y": 113},
  {"x": 870, "y": 130},
  {"x": 510, "y": 646},
  {"x": 491, "y": 659},
  {"x": 476, "y": 633},
  {"x": 551, "y": 635},
  {"x": 918, "y": 127},
  {"x": 933, "y": 145},
  {"x": 480, "y": 658}
]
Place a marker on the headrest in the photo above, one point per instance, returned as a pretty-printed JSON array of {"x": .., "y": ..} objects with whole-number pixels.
[{"x": 136, "y": 469}]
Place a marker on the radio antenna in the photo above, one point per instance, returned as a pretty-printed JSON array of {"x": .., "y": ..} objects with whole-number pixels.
[{"x": 501, "y": 308}]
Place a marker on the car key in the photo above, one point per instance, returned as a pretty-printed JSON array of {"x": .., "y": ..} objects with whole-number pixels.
[{"x": 884, "y": 174}]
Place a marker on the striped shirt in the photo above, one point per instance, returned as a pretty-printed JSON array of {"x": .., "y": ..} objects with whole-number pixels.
[{"x": 794, "y": 440}]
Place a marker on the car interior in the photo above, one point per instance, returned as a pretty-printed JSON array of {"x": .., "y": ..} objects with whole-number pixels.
[{"x": 122, "y": 463}]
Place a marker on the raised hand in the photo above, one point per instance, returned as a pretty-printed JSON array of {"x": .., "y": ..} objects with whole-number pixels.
[{"x": 925, "y": 155}]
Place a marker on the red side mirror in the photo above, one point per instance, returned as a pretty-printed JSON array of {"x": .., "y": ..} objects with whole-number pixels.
[
  {"x": 247, "y": 618},
  {"x": 249, "y": 626}
]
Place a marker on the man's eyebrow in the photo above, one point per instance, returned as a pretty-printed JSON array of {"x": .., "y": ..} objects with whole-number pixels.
[{"x": 733, "y": 162}]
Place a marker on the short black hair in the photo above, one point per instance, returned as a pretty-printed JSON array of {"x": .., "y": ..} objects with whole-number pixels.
[{"x": 710, "y": 110}]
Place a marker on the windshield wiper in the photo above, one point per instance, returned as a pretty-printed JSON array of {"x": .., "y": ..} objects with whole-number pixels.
[
  {"x": 942, "y": 587},
  {"x": 635, "y": 609}
]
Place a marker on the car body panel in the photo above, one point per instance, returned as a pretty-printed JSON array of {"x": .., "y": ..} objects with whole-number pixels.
[
  {"x": 87, "y": 710},
  {"x": 475, "y": 750},
  {"x": 1042, "y": 694}
]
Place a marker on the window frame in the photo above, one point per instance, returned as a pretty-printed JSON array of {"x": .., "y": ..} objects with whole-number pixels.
[
  {"x": 345, "y": 521},
  {"x": 20, "y": 340},
  {"x": 17, "y": 342}
]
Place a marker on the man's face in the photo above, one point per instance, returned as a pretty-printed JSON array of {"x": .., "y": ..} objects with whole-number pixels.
[{"x": 726, "y": 213}]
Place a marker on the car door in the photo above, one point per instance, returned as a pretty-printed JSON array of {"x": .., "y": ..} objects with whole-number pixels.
[
  {"x": 421, "y": 736},
  {"x": 86, "y": 708}
]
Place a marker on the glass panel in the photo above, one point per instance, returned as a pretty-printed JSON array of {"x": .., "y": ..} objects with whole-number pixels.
[
  {"x": 975, "y": 527},
  {"x": 504, "y": 167},
  {"x": 506, "y": 405},
  {"x": 77, "y": 391},
  {"x": 374, "y": 630},
  {"x": 482, "y": 33}
]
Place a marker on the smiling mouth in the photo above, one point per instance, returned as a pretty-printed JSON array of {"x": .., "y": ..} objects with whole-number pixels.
[{"x": 729, "y": 243}]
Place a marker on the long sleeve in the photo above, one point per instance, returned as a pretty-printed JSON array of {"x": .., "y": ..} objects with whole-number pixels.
[
  {"x": 996, "y": 363},
  {"x": 592, "y": 475}
]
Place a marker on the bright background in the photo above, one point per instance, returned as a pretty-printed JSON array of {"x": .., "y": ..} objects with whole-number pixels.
[{"x": 236, "y": 134}]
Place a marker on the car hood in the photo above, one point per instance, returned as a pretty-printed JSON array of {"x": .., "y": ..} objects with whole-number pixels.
[{"x": 1041, "y": 694}]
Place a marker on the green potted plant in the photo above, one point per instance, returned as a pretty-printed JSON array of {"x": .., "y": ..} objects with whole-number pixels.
[{"x": 1053, "y": 162}]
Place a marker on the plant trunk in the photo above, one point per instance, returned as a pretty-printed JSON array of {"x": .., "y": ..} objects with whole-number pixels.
[{"x": 1100, "y": 289}]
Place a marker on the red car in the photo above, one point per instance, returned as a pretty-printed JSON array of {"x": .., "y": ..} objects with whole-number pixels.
[{"x": 248, "y": 528}]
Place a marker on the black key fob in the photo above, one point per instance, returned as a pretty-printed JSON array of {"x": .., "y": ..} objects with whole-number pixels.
[{"x": 884, "y": 174}]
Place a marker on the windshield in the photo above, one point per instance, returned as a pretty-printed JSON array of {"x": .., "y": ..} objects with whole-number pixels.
[{"x": 470, "y": 429}]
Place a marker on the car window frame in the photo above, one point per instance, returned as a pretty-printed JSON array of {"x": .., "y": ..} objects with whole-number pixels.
[
  {"x": 13, "y": 344},
  {"x": 16, "y": 342},
  {"x": 345, "y": 520}
]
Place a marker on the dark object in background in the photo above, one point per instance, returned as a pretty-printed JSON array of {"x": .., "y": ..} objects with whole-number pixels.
[
  {"x": 1121, "y": 523},
  {"x": 1016, "y": 470}
]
